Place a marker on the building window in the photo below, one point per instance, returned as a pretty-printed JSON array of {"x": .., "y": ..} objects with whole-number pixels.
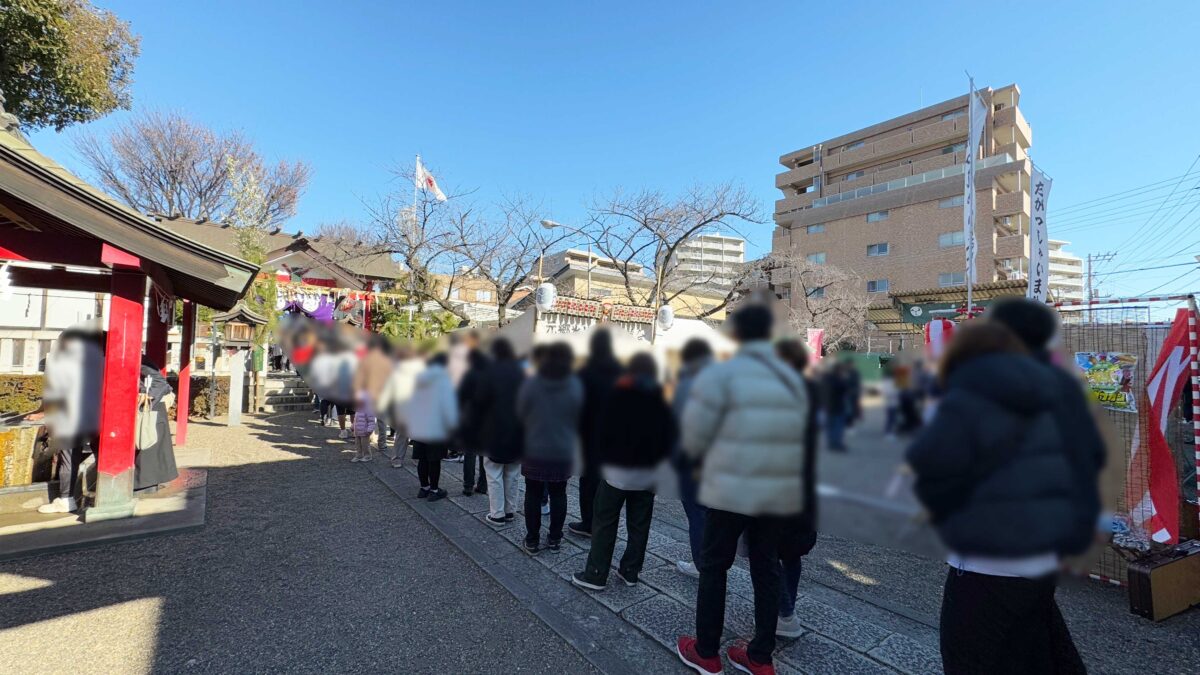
[
  {"x": 818, "y": 292},
  {"x": 456, "y": 294},
  {"x": 950, "y": 239},
  {"x": 951, "y": 279},
  {"x": 855, "y": 175},
  {"x": 876, "y": 216},
  {"x": 951, "y": 149},
  {"x": 951, "y": 202},
  {"x": 816, "y": 258},
  {"x": 877, "y": 286},
  {"x": 816, "y": 228},
  {"x": 876, "y": 250},
  {"x": 483, "y": 296},
  {"x": 43, "y": 352},
  {"x": 18, "y": 353},
  {"x": 854, "y": 146},
  {"x": 954, "y": 115}
]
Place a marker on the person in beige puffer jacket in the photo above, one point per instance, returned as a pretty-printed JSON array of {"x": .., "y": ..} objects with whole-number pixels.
[{"x": 745, "y": 422}]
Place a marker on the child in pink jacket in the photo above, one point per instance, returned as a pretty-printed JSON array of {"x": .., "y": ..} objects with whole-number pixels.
[{"x": 363, "y": 427}]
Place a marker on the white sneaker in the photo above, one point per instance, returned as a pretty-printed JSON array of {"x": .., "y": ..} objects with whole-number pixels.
[
  {"x": 789, "y": 627},
  {"x": 59, "y": 505},
  {"x": 688, "y": 569},
  {"x": 344, "y": 433},
  {"x": 546, "y": 509}
]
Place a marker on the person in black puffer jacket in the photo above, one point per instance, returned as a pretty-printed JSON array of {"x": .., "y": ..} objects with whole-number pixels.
[
  {"x": 495, "y": 405},
  {"x": 470, "y": 436},
  {"x": 994, "y": 472},
  {"x": 638, "y": 436},
  {"x": 598, "y": 376}
]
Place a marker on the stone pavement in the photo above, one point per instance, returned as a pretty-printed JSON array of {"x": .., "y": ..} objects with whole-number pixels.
[
  {"x": 305, "y": 564},
  {"x": 843, "y": 634}
]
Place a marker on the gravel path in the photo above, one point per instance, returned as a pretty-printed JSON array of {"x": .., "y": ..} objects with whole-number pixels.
[{"x": 306, "y": 564}]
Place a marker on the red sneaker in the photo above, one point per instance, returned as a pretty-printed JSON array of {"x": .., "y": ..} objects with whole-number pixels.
[
  {"x": 741, "y": 660},
  {"x": 686, "y": 649}
]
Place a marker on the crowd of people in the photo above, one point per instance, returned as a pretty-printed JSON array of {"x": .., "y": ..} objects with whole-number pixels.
[{"x": 736, "y": 440}]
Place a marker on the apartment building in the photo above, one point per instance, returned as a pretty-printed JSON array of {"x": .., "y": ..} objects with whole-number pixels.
[
  {"x": 886, "y": 201},
  {"x": 715, "y": 259},
  {"x": 1066, "y": 272}
]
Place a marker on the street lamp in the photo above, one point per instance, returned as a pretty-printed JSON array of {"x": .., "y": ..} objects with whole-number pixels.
[{"x": 550, "y": 225}]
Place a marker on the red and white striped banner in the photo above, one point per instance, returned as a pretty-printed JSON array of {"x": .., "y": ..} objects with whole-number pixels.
[
  {"x": 938, "y": 333},
  {"x": 1194, "y": 347}
]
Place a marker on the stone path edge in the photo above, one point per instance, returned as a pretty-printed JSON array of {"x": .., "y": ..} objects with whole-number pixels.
[{"x": 603, "y": 659}]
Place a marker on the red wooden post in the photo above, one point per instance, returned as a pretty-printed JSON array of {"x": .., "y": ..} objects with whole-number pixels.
[
  {"x": 118, "y": 401},
  {"x": 183, "y": 395},
  {"x": 156, "y": 330}
]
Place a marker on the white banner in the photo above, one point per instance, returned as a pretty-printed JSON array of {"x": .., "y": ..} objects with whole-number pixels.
[
  {"x": 1039, "y": 239},
  {"x": 977, "y": 115}
]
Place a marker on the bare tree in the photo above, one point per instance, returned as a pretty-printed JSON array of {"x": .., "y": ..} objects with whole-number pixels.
[
  {"x": 421, "y": 232},
  {"x": 164, "y": 163},
  {"x": 642, "y": 232},
  {"x": 818, "y": 296},
  {"x": 342, "y": 232},
  {"x": 504, "y": 249}
]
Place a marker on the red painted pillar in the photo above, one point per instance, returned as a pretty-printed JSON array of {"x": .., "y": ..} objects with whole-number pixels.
[
  {"x": 156, "y": 330},
  {"x": 118, "y": 401},
  {"x": 183, "y": 397}
]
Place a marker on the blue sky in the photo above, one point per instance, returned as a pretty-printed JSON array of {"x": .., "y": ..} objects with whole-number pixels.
[{"x": 564, "y": 101}]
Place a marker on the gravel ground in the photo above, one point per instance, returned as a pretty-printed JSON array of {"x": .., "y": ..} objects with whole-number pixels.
[{"x": 306, "y": 564}]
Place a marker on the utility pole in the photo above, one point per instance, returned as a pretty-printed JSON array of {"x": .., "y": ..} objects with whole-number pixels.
[{"x": 1092, "y": 259}]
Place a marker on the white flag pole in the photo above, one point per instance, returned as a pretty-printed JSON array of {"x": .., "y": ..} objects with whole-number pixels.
[
  {"x": 970, "y": 244},
  {"x": 416, "y": 184}
]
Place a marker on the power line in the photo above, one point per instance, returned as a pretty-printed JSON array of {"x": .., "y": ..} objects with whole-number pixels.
[
  {"x": 1169, "y": 282},
  {"x": 1133, "y": 236},
  {"x": 1137, "y": 190}
]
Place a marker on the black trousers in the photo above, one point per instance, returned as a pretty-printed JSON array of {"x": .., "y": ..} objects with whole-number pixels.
[
  {"x": 70, "y": 455},
  {"x": 533, "y": 509},
  {"x": 589, "y": 482},
  {"x": 721, "y": 532},
  {"x": 639, "y": 509},
  {"x": 995, "y": 624},
  {"x": 429, "y": 472},
  {"x": 470, "y": 471}
]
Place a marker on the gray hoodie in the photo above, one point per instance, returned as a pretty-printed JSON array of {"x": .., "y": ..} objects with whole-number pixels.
[{"x": 549, "y": 410}]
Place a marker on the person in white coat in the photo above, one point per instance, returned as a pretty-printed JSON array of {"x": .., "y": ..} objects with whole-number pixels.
[
  {"x": 396, "y": 396},
  {"x": 744, "y": 421},
  {"x": 432, "y": 417}
]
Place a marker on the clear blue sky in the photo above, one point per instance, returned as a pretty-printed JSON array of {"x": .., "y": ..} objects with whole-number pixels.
[{"x": 563, "y": 101}]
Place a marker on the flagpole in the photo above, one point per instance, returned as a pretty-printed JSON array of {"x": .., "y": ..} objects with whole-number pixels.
[
  {"x": 968, "y": 200},
  {"x": 416, "y": 187}
]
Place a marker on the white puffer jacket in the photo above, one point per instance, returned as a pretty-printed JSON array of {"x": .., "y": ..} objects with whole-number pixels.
[
  {"x": 748, "y": 427},
  {"x": 432, "y": 413}
]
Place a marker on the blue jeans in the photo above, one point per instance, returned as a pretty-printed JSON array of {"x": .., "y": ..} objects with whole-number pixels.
[
  {"x": 835, "y": 429},
  {"x": 695, "y": 512},
  {"x": 789, "y": 586}
]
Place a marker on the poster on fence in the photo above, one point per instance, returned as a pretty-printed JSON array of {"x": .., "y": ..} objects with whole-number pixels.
[{"x": 1109, "y": 378}]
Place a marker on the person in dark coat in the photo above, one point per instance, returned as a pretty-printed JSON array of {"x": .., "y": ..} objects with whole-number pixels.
[
  {"x": 835, "y": 397},
  {"x": 598, "y": 376},
  {"x": 696, "y": 355},
  {"x": 993, "y": 470},
  {"x": 637, "y": 436},
  {"x": 502, "y": 437},
  {"x": 154, "y": 463},
  {"x": 802, "y": 530},
  {"x": 470, "y": 436},
  {"x": 1036, "y": 325}
]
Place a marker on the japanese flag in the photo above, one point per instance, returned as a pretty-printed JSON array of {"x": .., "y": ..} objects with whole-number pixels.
[{"x": 426, "y": 181}]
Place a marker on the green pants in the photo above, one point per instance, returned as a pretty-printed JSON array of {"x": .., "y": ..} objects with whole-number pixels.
[{"x": 639, "y": 508}]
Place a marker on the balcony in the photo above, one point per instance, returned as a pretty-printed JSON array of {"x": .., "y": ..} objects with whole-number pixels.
[
  {"x": 1011, "y": 204},
  {"x": 901, "y": 183},
  {"x": 1066, "y": 270},
  {"x": 800, "y": 176},
  {"x": 1012, "y": 246},
  {"x": 1011, "y": 117},
  {"x": 794, "y": 203}
]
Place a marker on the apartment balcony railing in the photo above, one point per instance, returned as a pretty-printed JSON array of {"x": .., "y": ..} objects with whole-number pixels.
[
  {"x": 1011, "y": 204},
  {"x": 901, "y": 183}
]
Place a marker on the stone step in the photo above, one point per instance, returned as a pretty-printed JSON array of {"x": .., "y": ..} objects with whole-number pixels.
[
  {"x": 24, "y": 498},
  {"x": 286, "y": 407},
  {"x": 275, "y": 387}
]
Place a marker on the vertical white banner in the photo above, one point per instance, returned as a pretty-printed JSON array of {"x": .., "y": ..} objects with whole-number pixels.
[
  {"x": 1039, "y": 239},
  {"x": 977, "y": 115}
]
